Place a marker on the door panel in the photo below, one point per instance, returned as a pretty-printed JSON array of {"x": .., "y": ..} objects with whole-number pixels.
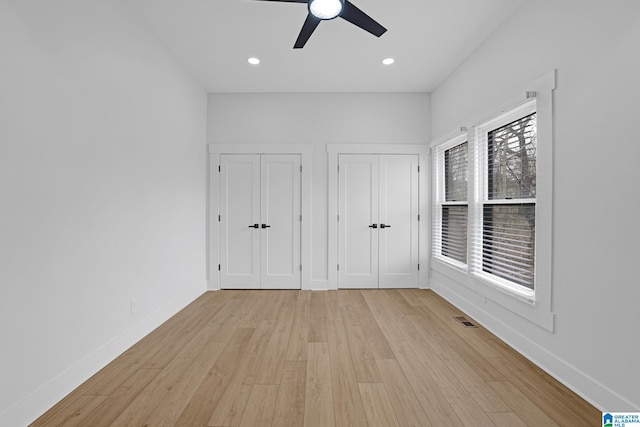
[
  {"x": 281, "y": 212},
  {"x": 358, "y": 209},
  {"x": 260, "y": 189},
  {"x": 379, "y": 191},
  {"x": 240, "y": 207},
  {"x": 398, "y": 263}
]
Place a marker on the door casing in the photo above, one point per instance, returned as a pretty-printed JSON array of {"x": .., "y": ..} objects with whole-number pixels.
[
  {"x": 378, "y": 226},
  {"x": 307, "y": 151},
  {"x": 260, "y": 221},
  {"x": 422, "y": 150},
  {"x": 215, "y": 151}
]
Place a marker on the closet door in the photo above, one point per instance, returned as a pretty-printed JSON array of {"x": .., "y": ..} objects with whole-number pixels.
[
  {"x": 240, "y": 214},
  {"x": 398, "y": 217},
  {"x": 358, "y": 215},
  {"x": 280, "y": 217},
  {"x": 260, "y": 221},
  {"x": 378, "y": 221}
]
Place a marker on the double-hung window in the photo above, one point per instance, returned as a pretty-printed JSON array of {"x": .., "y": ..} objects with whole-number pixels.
[
  {"x": 452, "y": 205},
  {"x": 492, "y": 200},
  {"x": 504, "y": 230},
  {"x": 485, "y": 201}
]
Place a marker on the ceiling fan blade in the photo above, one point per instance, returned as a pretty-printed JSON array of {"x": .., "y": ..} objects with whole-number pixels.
[
  {"x": 308, "y": 28},
  {"x": 361, "y": 19}
]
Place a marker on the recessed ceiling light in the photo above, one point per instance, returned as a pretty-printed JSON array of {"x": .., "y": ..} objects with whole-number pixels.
[
  {"x": 253, "y": 61},
  {"x": 388, "y": 61}
]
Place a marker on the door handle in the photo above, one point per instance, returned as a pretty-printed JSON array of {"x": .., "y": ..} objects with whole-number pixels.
[
  {"x": 385, "y": 226},
  {"x": 265, "y": 226},
  {"x": 254, "y": 226},
  {"x": 373, "y": 226}
]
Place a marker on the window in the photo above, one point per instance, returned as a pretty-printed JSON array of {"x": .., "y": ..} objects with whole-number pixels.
[
  {"x": 505, "y": 213},
  {"x": 505, "y": 220},
  {"x": 451, "y": 216},
  {"x": 509, "y": 213},
  {"x": 491, "y": 234}
]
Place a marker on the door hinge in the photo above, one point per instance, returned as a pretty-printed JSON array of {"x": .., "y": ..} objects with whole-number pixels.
[
  {"x": 418, "y": 168},
  {"x": 338, "y": 168},
  {"x": 219, "y": 168},
  {"x": 218, "y": 267},
  {"x": 338, "y": 217},
  {"x": 418, "y": 267},
  {"x": 418, "y": 217},
  {"x": 300, "y": 168},
  {"x": 218, "y": 218},
  {"x": 338, "y": 267}
]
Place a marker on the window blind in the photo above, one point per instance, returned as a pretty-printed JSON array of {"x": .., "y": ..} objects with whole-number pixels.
[
  {"x": 508, "y": 236},
  {"x": 454, "y": 232}
]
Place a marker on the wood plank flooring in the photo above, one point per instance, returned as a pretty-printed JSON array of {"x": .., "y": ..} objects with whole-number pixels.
[{"x": 338, "y": 358}]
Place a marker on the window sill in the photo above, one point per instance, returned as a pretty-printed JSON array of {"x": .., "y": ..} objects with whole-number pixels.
[
  {"x": 527, "y": 296},
  {"x": 461, "y": 267}
]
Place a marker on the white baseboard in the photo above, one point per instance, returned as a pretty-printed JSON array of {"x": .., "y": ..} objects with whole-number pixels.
[
  {"x": 424, "y": 286},
  {"x": 579, "y": 382},
  {"x": 323, "y": 285},
  {"x": 34, "y": 405}
]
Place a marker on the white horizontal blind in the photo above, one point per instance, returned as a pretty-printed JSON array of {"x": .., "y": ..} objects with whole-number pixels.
[
  {"x": 455, "y": 173},
  {"x": 451, "y": 200},
  {"x": 454, "y": 232},
  {"x": 508, "y": 236},
  {"x": 503, "y": 236}
]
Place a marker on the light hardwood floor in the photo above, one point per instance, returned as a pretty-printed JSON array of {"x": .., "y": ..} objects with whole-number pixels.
[{"x": 299, "y": 358}]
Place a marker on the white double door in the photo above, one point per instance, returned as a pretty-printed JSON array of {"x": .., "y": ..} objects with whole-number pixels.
[
  {"x": 378, "y": 221},
  {"x": 260, "y": 221}
]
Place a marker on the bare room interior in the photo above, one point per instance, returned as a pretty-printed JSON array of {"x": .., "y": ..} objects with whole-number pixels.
[{"x": 238, "y": 212}]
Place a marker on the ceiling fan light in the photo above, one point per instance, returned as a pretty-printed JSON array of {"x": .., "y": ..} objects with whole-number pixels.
[{"x": 325, "y": 9}]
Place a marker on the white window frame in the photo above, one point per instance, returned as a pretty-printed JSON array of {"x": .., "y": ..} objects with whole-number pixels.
[
  {"x": 439, "y": 199},
  {"x": 536, "y": 306},
  {"x": 480, "y": 198}
]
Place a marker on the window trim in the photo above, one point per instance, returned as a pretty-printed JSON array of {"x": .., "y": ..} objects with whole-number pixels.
[{"x": 537, "y": 310}]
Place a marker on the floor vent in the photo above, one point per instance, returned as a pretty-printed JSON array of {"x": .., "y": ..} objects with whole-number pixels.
[{"x": 466, "y": 323}]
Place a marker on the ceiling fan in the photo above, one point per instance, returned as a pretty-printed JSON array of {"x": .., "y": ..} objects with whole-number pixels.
[{"x": 324, "y": 10}]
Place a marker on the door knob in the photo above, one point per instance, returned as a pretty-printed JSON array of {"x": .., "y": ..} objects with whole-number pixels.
[
  {"x": 373, "y": 226},
  {"x": 254, "y": 226},
  {"x": 265, "y": 226},
  {"x": 385, "y": 226}
]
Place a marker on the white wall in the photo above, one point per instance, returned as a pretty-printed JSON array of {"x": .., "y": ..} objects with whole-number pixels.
[
  {"x": 319, "y": 119},
  {"x": 102, "y": 193},
  {"x": 594, "y": 47}
]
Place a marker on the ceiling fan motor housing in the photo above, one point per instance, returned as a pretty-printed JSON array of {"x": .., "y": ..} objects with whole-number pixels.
[{"x": 325, "y": 9}]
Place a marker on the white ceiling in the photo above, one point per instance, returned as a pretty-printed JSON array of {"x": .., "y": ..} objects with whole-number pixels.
[{"x": 428, "y": 39}]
